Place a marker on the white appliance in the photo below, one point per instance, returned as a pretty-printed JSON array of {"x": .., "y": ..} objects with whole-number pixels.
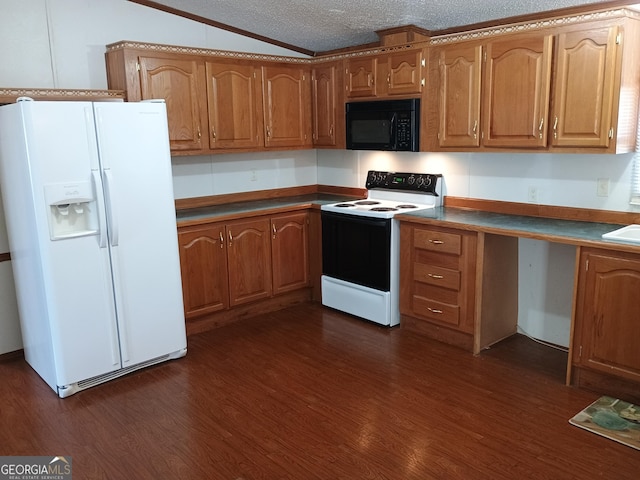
[
  {"x": 88, "y": 198},
  {"x": 361, "y": 244}
]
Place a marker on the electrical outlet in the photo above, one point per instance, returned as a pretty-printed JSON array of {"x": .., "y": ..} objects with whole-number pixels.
[
  {"x": 254, "y": 176},
  {"x": 602, "y": 189},
  {"x": 533, "y": 195}
]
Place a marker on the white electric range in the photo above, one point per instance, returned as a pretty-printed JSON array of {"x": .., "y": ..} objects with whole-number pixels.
[{"x": 360, "y": 244}]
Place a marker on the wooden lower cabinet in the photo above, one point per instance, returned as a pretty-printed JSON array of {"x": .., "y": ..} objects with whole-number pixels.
[
  {"x": 605, "y": 353},
  {"x": 437, "y": 282},
  {"x": 290, "y": 252},
  {"x": 203, "y": 263},
  {"x": 229, "y": 264},
  {"x": 249, "y": 260}
]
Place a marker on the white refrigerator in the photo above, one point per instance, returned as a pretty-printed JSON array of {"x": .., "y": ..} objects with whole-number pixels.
[{"x": 88, "y": 198}]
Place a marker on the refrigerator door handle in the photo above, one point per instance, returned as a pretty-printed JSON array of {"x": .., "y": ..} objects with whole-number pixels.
[
  {"x": 113, "y": 219},
  {"x": 102, "y": 221}
]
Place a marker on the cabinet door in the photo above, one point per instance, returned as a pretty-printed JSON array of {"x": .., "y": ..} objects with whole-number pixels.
[
  {"x": 607, "y": 318},
  {"x": 516, "y": 91},
  {"x": 203, "y": 262},
  {"x": 290, "y": 252},
  {"x": 404, "y": 73},
  {"x": 324, "y": 89},
  {"x": 180, "y": 83},
  {"x": 249, "y": 257},
  {"x": 459, "y": 102},
  {"x": 584, "y": 88},
  {"x": 360, "y": 77},
  {"x": 286, "y": 98},
  {"x": 234, "y": 96}
]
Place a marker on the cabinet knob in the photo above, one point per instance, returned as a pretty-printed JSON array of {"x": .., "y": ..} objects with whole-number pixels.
[
  {"x": 273, "y": 229},
  {"x": 230, "y": 238},
  {"x": 221, "y": 240},
  {"x": 555, "y": 127},
  {"x": 437, "y": 277},
  {"x": 436, "y": 242},
  {"x": 435, "y": 310}
]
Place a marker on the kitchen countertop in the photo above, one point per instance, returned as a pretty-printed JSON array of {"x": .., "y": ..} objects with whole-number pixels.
[
  {"x": 550, "y": 229},
  {"x": 571, "y": 232},
  {"x": 229, "y": 211}
]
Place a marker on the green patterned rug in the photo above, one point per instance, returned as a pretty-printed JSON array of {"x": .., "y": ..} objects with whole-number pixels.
[{"x": 613, "y": 419}]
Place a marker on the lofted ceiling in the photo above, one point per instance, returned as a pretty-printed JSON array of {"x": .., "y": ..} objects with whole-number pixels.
[{"x": 312, "y": 26}]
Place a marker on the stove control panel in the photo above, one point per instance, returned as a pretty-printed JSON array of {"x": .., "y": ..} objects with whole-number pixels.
[{"x": 408, "y": 182}]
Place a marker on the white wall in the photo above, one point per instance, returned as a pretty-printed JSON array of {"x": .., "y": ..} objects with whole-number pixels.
[
  {"x": 61, "y": 44},
  {"x": 242, "y": 172},
  {"x": 545, "y": 269}
]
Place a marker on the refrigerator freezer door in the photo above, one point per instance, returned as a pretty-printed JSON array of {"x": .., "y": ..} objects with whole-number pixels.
[
  {"x": 64, "y": 289},
  {"x": 136, "y": 163}
]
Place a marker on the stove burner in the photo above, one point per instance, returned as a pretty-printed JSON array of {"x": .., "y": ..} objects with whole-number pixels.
[
  {"x": 383, "y": 209},
  {"x": 367, "y": 202},
  {"x": 406, "y": 205},
  {"x": 342, "y": 205}
]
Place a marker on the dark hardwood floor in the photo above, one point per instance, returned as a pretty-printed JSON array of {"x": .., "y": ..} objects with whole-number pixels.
[{"x": 309, "y": 393}]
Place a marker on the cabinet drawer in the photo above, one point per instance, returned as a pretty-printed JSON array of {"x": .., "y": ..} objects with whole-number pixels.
[
  {"x": 441, "y": 277},
  {"x": 438, "y": 241},
  {"x": 441, "y": 312}
]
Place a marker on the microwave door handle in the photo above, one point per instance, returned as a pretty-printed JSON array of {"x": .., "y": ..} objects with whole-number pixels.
[{"x": 392, "y": 132}]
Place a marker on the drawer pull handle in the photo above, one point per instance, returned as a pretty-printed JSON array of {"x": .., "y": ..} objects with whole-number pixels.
[
  {"x": 432, "y": 275},
  {"x": 221, "y": 240},
  {"x": 434, "y": 310},
  {"x": 436, "y": 242}
]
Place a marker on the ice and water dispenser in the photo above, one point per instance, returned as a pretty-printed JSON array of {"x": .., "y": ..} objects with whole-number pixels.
[{"x": 72, "y": 210}]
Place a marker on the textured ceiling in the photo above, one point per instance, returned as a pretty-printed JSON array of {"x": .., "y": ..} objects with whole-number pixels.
[{"x": 324, "y": 25}]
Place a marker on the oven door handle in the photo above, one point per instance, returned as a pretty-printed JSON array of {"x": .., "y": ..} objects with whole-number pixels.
[{"x": 373, "y": 221}]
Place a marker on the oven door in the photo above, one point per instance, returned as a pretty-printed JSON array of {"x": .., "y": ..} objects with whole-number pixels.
[{"x": 357, "y": 249}]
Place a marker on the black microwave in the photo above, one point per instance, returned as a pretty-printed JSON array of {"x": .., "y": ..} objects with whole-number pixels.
[{"x": 384, "y": 125}]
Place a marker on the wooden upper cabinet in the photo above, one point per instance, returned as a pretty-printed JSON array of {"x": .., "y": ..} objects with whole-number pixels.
[
  {"x": 180, "y": 82},
  {"x": 324, "y": 94},
  {"x": 459, "y": 96},
  {"x": 361, "y": 76},
  {"x": 386, "y": 75},
  {"x": 286, "y": 103},
  {"x": 234, "y": 96},
  {"x": 517, "y": 80},
  {"x": 584, "y": 88},
  {"x": 404, "y": 73}
]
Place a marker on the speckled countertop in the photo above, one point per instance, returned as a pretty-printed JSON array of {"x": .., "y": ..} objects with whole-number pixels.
[
  {"x": 550, "y": 229},
  {"x": 555, "y": 230},
  {"x": 195, "y": 216}
]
